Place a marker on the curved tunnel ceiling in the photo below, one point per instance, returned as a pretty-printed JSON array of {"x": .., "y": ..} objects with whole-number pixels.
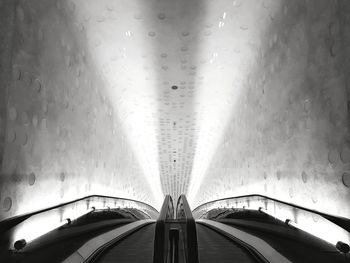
[
  {"x": 144, "y": 98},
  {"x": 175, "y": 69}
]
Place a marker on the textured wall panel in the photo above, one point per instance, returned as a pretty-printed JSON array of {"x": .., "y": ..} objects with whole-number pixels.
[
  {"x": 288, "y": 134},
  {"x": 63, "y": 137},
  {"x": 141, "y": 98}
]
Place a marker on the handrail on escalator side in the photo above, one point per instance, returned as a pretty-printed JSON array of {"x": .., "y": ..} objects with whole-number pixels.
[
  {"x": 11, "y": 222},
  {"x": 160, "y": 238},
  {"x": 183, "y": 212},
  {"x": 338, "y": 220}
]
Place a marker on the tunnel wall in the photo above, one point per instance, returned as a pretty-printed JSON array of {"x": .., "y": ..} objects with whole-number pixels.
[
  {"x": 288, "y": 136},
  {"x": 60, "y": 137}
]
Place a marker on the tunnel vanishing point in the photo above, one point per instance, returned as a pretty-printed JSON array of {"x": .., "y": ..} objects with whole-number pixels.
[{"x": 240, "y": 105}]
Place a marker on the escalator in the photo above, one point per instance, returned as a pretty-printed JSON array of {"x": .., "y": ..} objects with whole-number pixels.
[
  {"x": 212, "y": 247},
  {"x": 137, "y": 247},
  {"x": 218, "y": 235},
  {"x": 221, "y": 237},
  {"x": 195, "y": 242},
  {"x": 215, "y": 247}
]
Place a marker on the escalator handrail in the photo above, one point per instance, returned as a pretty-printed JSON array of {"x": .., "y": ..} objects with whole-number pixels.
[
  {"x": 183, "y": 212},
  {"x": 167, "y": 210},
  {"x": 340, "y": 221},
  {"x": 160, "y": 238},
  {"x": 9, "y": 223}
]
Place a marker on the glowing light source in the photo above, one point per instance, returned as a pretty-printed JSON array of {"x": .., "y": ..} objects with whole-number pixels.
[
  {"x": 41, "y": 224},
  {"x": 305, "y": 220},
  {"x": 324, "y": 229}
]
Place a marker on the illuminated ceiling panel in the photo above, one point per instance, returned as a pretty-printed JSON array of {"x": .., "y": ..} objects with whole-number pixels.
[
  {"x": 209, "y": 93},
  {"x": 174, "y": 69}
]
